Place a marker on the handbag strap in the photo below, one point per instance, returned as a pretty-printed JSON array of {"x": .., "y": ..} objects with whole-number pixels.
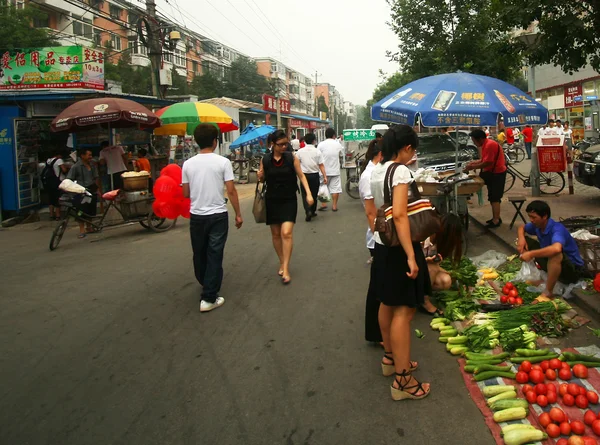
[
  {"x": 389, "y": 175},
  {"x": 497, "y": 155},
  {"x": 416, "y": 194}
]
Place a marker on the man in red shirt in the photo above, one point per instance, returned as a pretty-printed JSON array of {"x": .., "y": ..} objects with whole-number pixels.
[
  {"x": 528, "y": 135},
  {"x": 510, "y": 137},
  {"x": 493, "y": 166}
]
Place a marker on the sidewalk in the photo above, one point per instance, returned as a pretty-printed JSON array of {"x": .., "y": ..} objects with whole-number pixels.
[{"x": 585, "y": 201}]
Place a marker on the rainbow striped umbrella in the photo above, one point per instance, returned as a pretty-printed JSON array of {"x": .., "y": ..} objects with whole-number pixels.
[{"x": 182, "y": 118}]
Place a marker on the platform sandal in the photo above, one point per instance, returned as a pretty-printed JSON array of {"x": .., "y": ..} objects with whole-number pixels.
[
  {"x": 404, "y": 391},
  {"x": 388, "y": 368}
]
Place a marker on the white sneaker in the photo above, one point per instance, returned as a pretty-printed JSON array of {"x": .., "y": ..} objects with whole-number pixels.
[{"x": 205, "y": 306}]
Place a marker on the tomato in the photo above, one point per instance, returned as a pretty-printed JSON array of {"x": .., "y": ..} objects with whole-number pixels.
[
  {"x": 503, "y": 299},
  {"x": 550, "y": 374},
  {"x": 505, "y": 290},
  {"x": 596, "y": 427},
  {"x": 522, "y": 377},
  {"x": 581, "y": 401},
  {"x": 589, "y": 417},
  {"x": 536, "y": 376},
  {"x": 577, "y": 427},
  {"x": 542, "y": 400},
  {"x": 557, "y": 415},
  {"x": 565, "y": 428},
  {"x": 545, "y": 419},
  {"x": 562, "y": 390},
  {"x": 565, "y": 374},
  {"x": 582, "y": 391},
  {"x": 519, "y": 301},
  {"x": 526, "y": 388},
  {"x": 545, "y": 365},
  {"x": 555, "y": 363},
  {"x": 573, "y": 389},
  {"x": 568, "y": 399},
  {"x": 565, "y": 365},
  {"x": 538, "y": 367},
  {"x": 552, "y": 397},
  {"x": 553, "y": 430},
  {"x": 513, "y": 293},
  {"x": 511, "y": 300},
  {"x": 540, "y": 388},
  {"x": 551, "y": 387},
  {"x": 587, "y": 440},
  {"x": 580, "y": 371},
  {"x": 576, "y": 440},
  {"x": 525, "y": 366},
  {"x": 592, "y": 397},
  {"x": 531, "y": 397}
]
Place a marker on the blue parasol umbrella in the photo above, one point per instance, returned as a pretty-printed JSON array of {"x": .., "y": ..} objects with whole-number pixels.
[
  {"x": 460, "y": 99},
  {"x": 252, "y": 134}
]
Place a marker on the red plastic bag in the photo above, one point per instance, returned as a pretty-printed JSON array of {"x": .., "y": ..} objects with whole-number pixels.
[
  {"x": 163, "y": 209},
  {"x": 166, "y": 189},
  {"x": 597, "y": 282},
  {"x": 184, "y": 207},
  {"x": 173, "y": 171}
]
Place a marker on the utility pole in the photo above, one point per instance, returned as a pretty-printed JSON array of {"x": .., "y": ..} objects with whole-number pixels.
[
  {"x": 277, "y": 94},
  {"x": 315, "y": 92},
  {"x": 154, "y": 48}
]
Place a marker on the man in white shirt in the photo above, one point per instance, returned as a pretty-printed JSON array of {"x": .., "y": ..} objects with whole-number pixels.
[
  {"x": 295, "y": 143},
  {"x": 115, "y": 159},
  {"x": 559, "y": 127},
  {"x": 311, "y": 162},
  {"x": 204, "y": 177},
  {"x": 331, "y": 150}
]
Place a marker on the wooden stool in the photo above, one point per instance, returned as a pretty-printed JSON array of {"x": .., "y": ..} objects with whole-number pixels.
[{"x": 517, "y": 202}]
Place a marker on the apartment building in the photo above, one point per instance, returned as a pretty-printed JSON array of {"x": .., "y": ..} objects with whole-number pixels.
[
  {"x": 289, "y": 83},
  {"x": 350, "y": 111}
]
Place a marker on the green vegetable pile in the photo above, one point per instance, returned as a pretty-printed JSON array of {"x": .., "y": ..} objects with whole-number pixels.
[
  {"x": 508, "y": 271},
  {"x": 527, "y": 296},
  {"x": 459, "y": 309},
  {"x": 480, "y": 337},
  {"x": 521, "y": 315},
  {"x": 549, "y": 324},
  {"x": 517, "y": 338},
  {"x": 464, "y": 272},
  {"x": 484, "y": 293}
]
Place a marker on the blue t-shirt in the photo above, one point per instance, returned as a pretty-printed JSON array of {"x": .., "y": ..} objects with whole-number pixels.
[{"x": 557, "y": 233}]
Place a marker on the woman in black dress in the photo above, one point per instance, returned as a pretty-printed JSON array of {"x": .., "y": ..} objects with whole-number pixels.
[
  {"x": 401, "y": 275},
  {"x": 281, "y": 171}
]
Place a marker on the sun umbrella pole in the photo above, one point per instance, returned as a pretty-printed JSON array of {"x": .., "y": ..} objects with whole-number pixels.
[{"x": 455, "y": 197}]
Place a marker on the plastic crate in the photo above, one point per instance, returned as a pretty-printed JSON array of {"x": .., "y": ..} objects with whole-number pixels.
[{"x": 590, "y": 250}]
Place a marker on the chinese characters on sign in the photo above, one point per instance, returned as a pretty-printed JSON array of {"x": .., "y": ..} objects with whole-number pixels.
[
  {"x": 53, "y": 67},
  {"x": 573, "y": 95},
  {"x": 270, "y": 104},
  {"x": 552, "y": 159},
  {"x": 297, "y": 123},
  {"x": 458, "y": 119},
  {"x": 359, "y": 135}
]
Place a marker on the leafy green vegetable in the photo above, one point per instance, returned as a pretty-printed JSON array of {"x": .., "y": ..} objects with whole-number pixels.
[
  {"x": 521, "y": 315},
  {"x": 549, "y": 324},
  {"x": 596, "y": 332},
  {"x": 481, "y": 337},
  {"x": 484, "y": 293},
  {"x": 459, "y": 309},
  {"x": 465, "y": 271},
  {"x": 526, "y": 295},
  {"x": 510, "y": 266},
  {"x": 516, "y": 338},
  {"x": 419, "y": 334}
]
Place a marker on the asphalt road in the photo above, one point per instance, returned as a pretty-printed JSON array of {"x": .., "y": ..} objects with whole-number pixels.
[{"x": 102, "y": 343}]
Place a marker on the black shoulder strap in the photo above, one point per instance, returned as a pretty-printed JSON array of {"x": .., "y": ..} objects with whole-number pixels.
[
  {"x": 415, "y": 189},
  {"x": 387, "y": 187},
  {"x": 497, "y": 155},
  {"x": 289, "y": 158}
]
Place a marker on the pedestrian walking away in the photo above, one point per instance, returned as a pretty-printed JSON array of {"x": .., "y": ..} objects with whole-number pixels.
[
  {"x": 295, "y": 143},
  {"x": 280, "y": 170},
  {"x": 493, "y": 172},
  {"x": 331, "y": 150},
  {"x": 204, "y": 177},
  {"x": 373, "y": 157},
  {"x": 86, "y": 175},
  {"x": 555, "y": 250},
  {"x": 115, "y": 159},
  {"x": 568, "y": 132},
  {"x": 400, "y": 272},
  {"x": 528, "y": 139},
  {"x": 311, "y": 162},
  {"x": 52, "y": 175}
]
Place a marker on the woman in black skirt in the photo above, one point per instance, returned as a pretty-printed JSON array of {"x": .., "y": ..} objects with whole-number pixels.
[
  {"x": 281, "y": 171},
  {"x": 401, "y": 272}
]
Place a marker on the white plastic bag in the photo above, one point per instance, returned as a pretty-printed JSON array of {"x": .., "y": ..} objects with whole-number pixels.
[
  {"x": 72, "y": 187},
  {"x": 489, "y": 259},
  {"x": 584, "y": 235},
  {"x": 323, "y": 194},
  {"x": 529, "y": 272}
]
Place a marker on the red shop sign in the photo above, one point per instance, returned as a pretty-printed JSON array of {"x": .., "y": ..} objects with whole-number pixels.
[
  {"x": 552, "y": 159},
  {"x": 312, "y": 125},
  {"x": 270, "y": 104},
  {"x": 298, "y": 123},
  {"x": 571, "y": 92}
]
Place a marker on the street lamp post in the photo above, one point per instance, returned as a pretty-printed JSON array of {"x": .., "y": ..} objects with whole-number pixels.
[{"x": 530, "y": 40}]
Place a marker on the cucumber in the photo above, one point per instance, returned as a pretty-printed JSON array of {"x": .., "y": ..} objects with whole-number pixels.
[
  {"x": 439, "y": 320},
  {"x": 502, "y": 396},
  {"x": 483, "y": 368},
  {"x": 516, "y": 426},
  {"x": 586, "y": 364},
  {"x": 494, "y": 390},
  {"x": 532, "y": 352},
  {"x": 449, "y": 333},
  {"x": 510, "y": 414},
  {"x": 443, "y": 339},
  {"x": 459, "y": 340},
  {"x": 484, "y": 357},
  {"x": 535, "y": 359},
  {"x": 487, "y": 362},
  {"x": 499, "y": 405},
  {"x": 492, "y": 374},
  {"x": 470, "y": 369},
  {"x": 522, "y": 436},
  {"x": 459, "y": 350}
]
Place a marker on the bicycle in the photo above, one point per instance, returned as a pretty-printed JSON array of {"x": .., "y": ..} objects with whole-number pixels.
[
  {"x": 129, "y": 211},
  {"x": 354, "y": 178},
  {"x": 457, "y": 205},
  {"x": 550, "y": 183},
  {"x": 514, "y": 153}
]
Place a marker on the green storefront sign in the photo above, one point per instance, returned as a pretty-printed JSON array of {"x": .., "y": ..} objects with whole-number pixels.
[
  {"x": 359, "y": 135},
  {"x": 52, "y": 67}
]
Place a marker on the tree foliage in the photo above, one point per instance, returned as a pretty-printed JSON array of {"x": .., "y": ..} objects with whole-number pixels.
[
  {"x": 133, "y": 79},
  {"x": 322, "y": 105},
  {"x": 243, "y": 81},
  {"x": 16, "y": 30},
  {"x": 207, "y": 86},
  {"x": 363, "y": 117}
]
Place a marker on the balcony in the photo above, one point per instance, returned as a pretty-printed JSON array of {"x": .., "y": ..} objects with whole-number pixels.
[
  {"x": 60, "y": 5},
  {"x": 140, "y": 60}
]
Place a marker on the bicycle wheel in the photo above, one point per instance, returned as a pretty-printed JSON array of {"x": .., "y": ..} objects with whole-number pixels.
[
  {"x": 510, "y": 181},
  {"x": 518, "y": 155},
  {"x": 157, "y": 224},
  {"x": 352, "y": 187},
  {"x": 552, "y": 183},
  {"x": 58, "y": 233}
]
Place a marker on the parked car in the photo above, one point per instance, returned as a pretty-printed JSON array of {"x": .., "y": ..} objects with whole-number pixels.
[
  {"x": 587, "y": 167},
  {"x": 438, "y": 151}
]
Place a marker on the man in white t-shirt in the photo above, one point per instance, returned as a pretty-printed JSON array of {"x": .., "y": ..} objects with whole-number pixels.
[
  {"x": 331, "y": 150},
  {"x": 59, "y": 171},
  {"x": 311, "y": 162},
  {"x": 295, "y": 143},
  {"x": 115, "y": 159},
  {"x": 204, "y": 177}
]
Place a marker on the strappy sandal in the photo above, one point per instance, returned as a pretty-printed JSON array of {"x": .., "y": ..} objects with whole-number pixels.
[
  {"x": 388, "y": 368},
  {"x": 404, "y": 390}
]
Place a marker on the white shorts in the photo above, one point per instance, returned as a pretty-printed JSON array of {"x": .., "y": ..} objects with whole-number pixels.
[{"x": 334, "y": 183}]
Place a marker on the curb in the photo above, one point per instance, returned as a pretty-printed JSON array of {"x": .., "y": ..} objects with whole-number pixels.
[{"x": 583, "y": 301}]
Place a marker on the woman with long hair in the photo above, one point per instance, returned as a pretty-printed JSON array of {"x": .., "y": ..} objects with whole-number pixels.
[
  {"x": 281, "y": 170},
  {"x": 401, "y": 272}
]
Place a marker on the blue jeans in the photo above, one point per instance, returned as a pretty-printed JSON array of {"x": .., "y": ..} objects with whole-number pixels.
[
  {"x": 209, "y": 234},
  {"x": 528, "y": 149}
]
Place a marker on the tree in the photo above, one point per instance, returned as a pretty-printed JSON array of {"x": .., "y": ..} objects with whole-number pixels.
[
  {"x": 207, "y": 86},
  {"x": 444, "y": 36},
  {"x": 180, "y": 85},
  {"x": 243, "y": 81},
  {"x": 322, "y": 105},
  {"x": 363, "y": 116},
  {"x": 134, "y": 79},
  {"x": 568, "y": 32},
  {"x": 16, "y": 30}
]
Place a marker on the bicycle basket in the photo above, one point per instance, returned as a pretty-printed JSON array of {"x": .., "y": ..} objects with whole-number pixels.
[{"x": 574, "y": 223}]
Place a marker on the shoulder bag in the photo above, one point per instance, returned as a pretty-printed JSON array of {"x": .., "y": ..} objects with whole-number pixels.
[{"x": 259, "y": 208}]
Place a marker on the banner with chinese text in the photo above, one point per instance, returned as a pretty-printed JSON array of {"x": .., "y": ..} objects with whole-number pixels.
[{"x": 52, "y": 67}]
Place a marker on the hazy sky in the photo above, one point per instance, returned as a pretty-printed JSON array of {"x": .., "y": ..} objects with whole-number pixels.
[{"x": 344, "y": 40}]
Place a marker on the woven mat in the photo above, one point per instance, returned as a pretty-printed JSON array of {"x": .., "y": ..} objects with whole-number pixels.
[{"x": 574, "y": 413}]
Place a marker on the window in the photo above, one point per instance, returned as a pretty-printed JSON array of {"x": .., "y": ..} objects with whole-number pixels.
[
  {"x": 195, "y": 67},
  {"x": 115, "y": 41},
  {"x": 18, "y": 4},
  {"x": 115, "y": 12},
  {"x": 588, "y": 89},
  {"x": 41, "y": 22},
  {"x": 133, "y": 18},
  {"x": 82, "y": 26},
  {"x": 274, "y": 67},
  {"x": 179, "y": 57},
  {"x": 97, "y": 36}
]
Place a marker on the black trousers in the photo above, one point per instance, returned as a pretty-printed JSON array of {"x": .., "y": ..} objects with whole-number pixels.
[
  {"x": 209, "y": 234},
  {"x": 372, "y": 331},
  {"x": 313, "y": 185}
]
